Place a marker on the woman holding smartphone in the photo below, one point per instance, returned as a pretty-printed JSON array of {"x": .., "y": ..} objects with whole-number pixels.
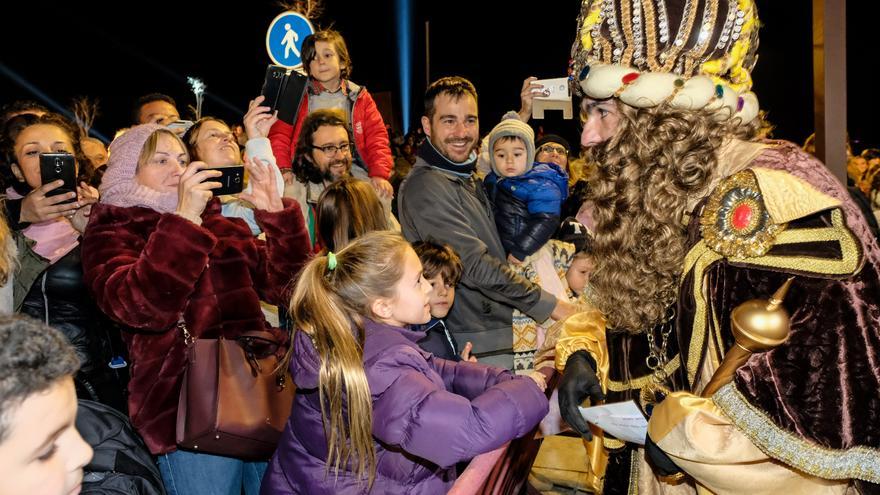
[
  {"x": 159, "y": 253},
  {"x": 48, "y": 280},
  {"x": 210, "y": 140}
]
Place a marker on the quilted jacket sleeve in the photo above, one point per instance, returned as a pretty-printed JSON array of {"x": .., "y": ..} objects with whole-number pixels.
[
  {"x": 536, "y": 231},
  {"x": 281, "y": 136},
  {"x": 376, "y": 149},
  {"x": 469, "y": 379},
  {"x": 412, "y": 412}
]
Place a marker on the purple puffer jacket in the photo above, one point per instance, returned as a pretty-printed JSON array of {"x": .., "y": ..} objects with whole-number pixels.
[{"x": 428, "y": 414}]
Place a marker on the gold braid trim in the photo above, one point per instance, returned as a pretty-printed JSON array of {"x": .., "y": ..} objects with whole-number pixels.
[
  {"x": 637, "y": 383},
  {"x": 613, "y": 443},
  {"x": 701, "y": 256},
  {"x": 634, "y": 473},
  {"x": 850, "y": 263},
  {"x": 858, "y": 462},
  {"x": 698, "y": 259}
]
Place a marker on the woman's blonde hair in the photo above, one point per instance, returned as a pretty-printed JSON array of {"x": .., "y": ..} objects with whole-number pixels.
[
  {"x": 347, "y": 209},
  {"x": 658, "y": 159},
  {"x": 329, "y": 304},
  {"x": 152, "y": 143}
]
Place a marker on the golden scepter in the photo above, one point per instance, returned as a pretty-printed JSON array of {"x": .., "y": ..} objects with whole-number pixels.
[{"x": 758, "y": 325}]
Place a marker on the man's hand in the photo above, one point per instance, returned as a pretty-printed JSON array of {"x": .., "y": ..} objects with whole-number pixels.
[
  {"x": 578, "y": 382},
  {"x": 526, "y": 95}
]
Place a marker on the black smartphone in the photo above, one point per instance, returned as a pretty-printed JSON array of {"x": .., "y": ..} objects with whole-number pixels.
[
  {"x": 54, "y": 166},
  {"x": 232, "y": 180},
  {"x": 284, "y": 91},
  {"x": 273, "y": 84}
]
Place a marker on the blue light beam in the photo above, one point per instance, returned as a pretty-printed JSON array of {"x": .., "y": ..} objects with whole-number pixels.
[
  {"x": 54, "y": 105},
  {"x": 404, "y": 56}
]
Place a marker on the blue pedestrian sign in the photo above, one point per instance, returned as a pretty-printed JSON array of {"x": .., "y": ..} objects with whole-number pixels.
[{"x": 285, "y": 37}]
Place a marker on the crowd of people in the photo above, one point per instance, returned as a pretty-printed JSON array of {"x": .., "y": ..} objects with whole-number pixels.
[{"x": 444, "y": 284}]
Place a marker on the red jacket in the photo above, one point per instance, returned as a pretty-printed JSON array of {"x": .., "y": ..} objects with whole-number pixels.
[
  {"x": 146, "y": 268},
  {"x": 370, "y": 136}
]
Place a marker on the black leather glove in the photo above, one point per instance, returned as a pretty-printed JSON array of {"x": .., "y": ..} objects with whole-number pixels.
[
  {"x": 579, "y": 381},
  {"x": 661, "y": 462}
]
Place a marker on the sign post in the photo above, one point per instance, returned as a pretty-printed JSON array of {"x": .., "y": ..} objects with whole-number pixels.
[{"x": 285, "y": 37}]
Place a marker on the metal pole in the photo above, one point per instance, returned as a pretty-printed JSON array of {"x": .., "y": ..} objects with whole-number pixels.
[
  {"x": 829, "y": 83},
  {"x": 427, "y": 53}
]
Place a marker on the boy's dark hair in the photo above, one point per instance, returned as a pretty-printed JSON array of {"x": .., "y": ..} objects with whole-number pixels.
[
  {"x": 33, "y": 357},
  {"x": 150, "y": 98},
  {"x": 309, "y": 52},
  {"x": 439, "y": 258},
  {"x": 454, "y": 86}
]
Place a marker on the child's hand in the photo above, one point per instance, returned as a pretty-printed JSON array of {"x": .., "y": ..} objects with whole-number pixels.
[
  {"x": 466, "y": 353},
  {"x": 512, "y": 259},
  {"x": 539, "y": 379}
]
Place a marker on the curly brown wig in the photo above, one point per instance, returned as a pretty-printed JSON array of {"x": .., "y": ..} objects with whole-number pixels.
[{"x": 658, "y": 159}]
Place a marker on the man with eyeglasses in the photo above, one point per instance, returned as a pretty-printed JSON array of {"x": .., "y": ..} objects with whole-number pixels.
[{"x": 323, "y": 154}]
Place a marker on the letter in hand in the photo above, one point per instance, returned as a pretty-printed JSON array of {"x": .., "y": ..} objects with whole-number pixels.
[{"x": 579, "y": 381}]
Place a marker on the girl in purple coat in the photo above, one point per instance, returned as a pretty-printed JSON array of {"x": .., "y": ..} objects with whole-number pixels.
[{"x": 373, "y": 412}]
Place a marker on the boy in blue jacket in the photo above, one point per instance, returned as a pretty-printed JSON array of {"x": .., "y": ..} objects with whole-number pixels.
[{"x": 527, "y": 196}]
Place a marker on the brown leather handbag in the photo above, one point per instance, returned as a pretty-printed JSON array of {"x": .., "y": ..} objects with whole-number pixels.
[{"x": 232, "y": 401}]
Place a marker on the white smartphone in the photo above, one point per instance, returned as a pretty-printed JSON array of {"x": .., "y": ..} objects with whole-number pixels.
[
  {"x": 554, "y": 89},
  {"x": 180, "y": 124}
]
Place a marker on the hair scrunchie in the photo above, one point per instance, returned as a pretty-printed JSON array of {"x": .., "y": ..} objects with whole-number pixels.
[{"x": 331, "y": 261}]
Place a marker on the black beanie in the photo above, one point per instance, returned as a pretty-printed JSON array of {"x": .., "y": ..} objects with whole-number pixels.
[{"x": 553, "y": 138}]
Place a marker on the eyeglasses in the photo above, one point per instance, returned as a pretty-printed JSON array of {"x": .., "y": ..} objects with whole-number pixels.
[
  {"x": 331, "y": 149},
  {"x": 552, "y": 148}
]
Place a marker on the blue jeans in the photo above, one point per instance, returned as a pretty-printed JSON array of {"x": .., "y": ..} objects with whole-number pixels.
[{"x": 189, "y": 473}]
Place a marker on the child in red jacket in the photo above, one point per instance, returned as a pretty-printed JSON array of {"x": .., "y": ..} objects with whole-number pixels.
[{"x": 328, "y": 65}]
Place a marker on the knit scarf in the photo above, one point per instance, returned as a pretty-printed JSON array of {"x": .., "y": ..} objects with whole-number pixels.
[{"x": 433, "y": 157}]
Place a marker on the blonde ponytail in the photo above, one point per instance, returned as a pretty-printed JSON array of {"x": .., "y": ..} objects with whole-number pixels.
[{"x": 329, "y": 305}]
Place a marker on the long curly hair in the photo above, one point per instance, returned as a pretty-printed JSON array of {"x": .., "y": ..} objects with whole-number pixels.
[{"x": 658, "y": 159}]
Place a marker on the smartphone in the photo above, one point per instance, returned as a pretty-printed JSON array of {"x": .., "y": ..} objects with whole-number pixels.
[
  {"x": 54, "y": 166},
  {"x": 180, "y": 124},
  {"x": 272, "y": 85},
  {"x": 284, "y": 91},
  {"x": 232, "y": 180},
  {"x": 554, "y": 89}
]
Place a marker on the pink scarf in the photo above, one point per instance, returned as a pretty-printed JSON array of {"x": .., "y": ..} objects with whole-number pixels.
[{"x": 54, "y": 238}]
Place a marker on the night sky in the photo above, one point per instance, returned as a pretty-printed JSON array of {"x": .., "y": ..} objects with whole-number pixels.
[{"x": 73, "y": 49}]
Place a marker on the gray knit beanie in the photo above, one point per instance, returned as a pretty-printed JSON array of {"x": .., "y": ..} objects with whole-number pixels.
[{"x": 510, "y": 125}]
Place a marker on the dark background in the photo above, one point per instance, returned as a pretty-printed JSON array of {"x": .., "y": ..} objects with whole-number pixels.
[{"x": 119, "y": 51}]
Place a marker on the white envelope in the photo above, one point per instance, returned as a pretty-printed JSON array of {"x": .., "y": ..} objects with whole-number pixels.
[{"x": 624, "y": 420}]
